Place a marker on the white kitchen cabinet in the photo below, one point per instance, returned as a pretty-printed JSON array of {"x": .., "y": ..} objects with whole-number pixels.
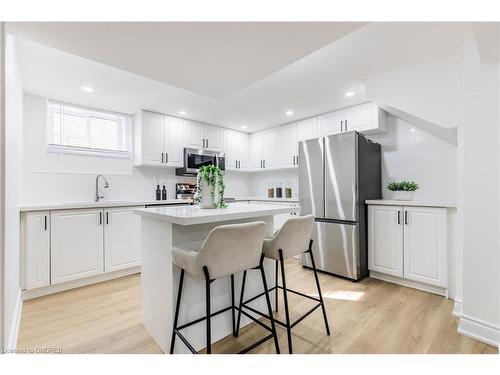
[
  {"x": 409, "y": 242},
  {"x": 307, "y": 129},
  {"x": 122, "y": 238},
  {"x": 271, "y": 151},
  {"x": 288, "y": 146},
  {"x": 151, "y": 126},
  {"x": 35, "y": 248},
  {"x": 364, "y": 118},
  {"x": 237, "y": 150},
  {"x": 332, "y": 122},
  {"x": 425, "y": 244},
  {"x": 77, "y": 246},
  {"x": 201, "y": 136},
  {"x": 385, "y": 239},
  {"x": 256, "y": 150},
  {"x": 159, "y": 139}
]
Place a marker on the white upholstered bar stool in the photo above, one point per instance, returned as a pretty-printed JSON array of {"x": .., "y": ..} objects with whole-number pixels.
[
  {"x": 292, "y": 239},
  {"x": 228, "y": 249}
]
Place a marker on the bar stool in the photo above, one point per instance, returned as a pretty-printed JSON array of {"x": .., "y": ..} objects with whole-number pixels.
[
  {"x": 228, "y": 249},
  {"x": 292, "y": 239}
]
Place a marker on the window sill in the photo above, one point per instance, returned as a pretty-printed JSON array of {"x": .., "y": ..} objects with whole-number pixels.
[{"x": 69, "y": 150}]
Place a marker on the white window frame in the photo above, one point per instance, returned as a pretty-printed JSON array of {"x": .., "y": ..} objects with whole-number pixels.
[{"x": 90, "y": 151}]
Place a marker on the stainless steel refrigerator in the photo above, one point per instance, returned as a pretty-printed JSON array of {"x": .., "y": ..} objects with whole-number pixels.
[{"x": 336, "y": 175}]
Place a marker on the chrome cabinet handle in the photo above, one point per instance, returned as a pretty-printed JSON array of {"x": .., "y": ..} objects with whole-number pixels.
[
  {"x": 162, "y": 157},
  {"x": 341, "y": 125},
  {"x": 399, "y": 217},
  {"x": 345, "y": 125},
  {"x": 166, "y": 157},
  {"x": 107, "y": 218},
  {"x": 207, "y": 142},
  {"x": 406, "y": 217},
  {"x": 100, "y": 218}
]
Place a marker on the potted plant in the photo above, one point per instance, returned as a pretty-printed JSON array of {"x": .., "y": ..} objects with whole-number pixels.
[
  {"x": 210, "y": 187},
  {"x": 402, "y": 191}
]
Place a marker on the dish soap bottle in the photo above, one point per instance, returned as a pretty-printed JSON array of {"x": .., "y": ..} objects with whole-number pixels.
[
  {"x": 163, "y": 193},
  {"x": 158, "y": 192}
]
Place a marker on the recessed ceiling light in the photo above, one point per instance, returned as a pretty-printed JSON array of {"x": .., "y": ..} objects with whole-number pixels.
[
  {"x": 350, "y": 93},
  {"x": 87, "y": 89},
  {"x": 289, "y": 113},
  {"x": 182, "y": 113},
  {"x": 244, "y": 127},
  {"x": 413, "y": 130}
]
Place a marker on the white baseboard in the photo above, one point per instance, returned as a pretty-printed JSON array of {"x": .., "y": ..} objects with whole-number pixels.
[
  {"x": 458, "y": 308},
  {"x": 40, "y": 292},
  {"x": 16, "y": 323},
  {"x": 480, "y": 330},
  {"x": 410, "y": 283}
]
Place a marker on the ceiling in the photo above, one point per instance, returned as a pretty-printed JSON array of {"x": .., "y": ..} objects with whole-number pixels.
[
  {"x": 213, "y": 59},
  {"x": 229, "y": 74}
]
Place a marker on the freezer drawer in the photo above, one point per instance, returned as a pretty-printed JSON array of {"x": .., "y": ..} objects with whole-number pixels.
[{"x": 335, "y": 249}]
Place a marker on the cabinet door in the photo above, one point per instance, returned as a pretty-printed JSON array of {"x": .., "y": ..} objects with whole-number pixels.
[
  {"x": 288, "y": 148},
  {"x": 152, "y": 138},
  {"x": 36, "y": 249},
  {"x": 236, "y": 150},
  {"x": 425, "y": 244},
  {"x": 256, "y": 149},
  {"x": 122, "y": 238},
  {"x": 77, "y": 249},
  {"x": 361, "y": 117},
  {"x": 385, "y": 239},
  {"x": 174, "y": 141},
  {"x": 271, "y": 152},
  {"x": 331, "y": 123},
  {"x": 214, "y": 138},
  {"x": 194, "y": 134},
  {"x": 307, "y": 129}
]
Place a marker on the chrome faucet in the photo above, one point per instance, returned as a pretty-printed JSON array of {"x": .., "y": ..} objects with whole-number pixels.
[{"x": 106, "y": 185}]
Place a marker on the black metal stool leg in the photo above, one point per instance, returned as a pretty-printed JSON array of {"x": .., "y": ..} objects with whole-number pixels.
[
  {"x": 241, "y": 302},
  {"x": 319, "y": 288},
  {"x": 269, "y": 308},
  {"x": 276, "y": 284},
  {"x": 285, "y": 298},
  {"x": 177, "y": 308},
  {"x": 233, "y": 318},
  {"x": 209, "y": 328}
]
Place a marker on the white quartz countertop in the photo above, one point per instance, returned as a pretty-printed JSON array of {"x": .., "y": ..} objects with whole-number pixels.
[
  {"x": 101, "y": 204},
  {"x": 266, "y": 199},
  {"x": 388, "y": 202},
  {"x": 189, "y": 215}
]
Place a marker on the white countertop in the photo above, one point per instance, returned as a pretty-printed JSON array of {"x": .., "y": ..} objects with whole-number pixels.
[
  {"x": 266, "y": 199},
  {"x": 189, "y": 215},
  {"x": 389, "y": 202},
  {"x": 101, "y": 204}
]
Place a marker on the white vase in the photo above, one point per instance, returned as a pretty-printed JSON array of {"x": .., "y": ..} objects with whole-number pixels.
[
  {"x": 402, "y": 195},
  {"x": 205, "y": 195}
]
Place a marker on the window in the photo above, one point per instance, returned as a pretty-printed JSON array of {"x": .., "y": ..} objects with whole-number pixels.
[{"x": 79, "y": 130}]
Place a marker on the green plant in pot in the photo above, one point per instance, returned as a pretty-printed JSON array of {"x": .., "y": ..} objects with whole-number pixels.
[
  {"x": 402, "y": 191},
  {"x": 210, "y": 187}
]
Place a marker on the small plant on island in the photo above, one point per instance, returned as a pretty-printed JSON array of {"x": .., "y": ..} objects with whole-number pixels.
[{"x": 213, "y": 177}]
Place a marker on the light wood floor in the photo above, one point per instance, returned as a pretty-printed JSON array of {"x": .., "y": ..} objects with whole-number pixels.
[{"x": 370, "y": 316}]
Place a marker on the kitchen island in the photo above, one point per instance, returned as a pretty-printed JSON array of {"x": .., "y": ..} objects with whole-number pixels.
[{"x": 187, "y": 226}]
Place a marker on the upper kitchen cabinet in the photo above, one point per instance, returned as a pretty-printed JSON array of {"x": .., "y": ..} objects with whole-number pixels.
[
  {"x": 256, "y": 150},
  {"x": 264, "y": 151},
  {"x": 288, "y": 145},
  {"x": 307, "y": 129},
  {"x": 364, "y": 118},
  {"x": 201, "y": 136},
  {"x": 237, "y": 147},
  {"x": 158, "y": 139}
]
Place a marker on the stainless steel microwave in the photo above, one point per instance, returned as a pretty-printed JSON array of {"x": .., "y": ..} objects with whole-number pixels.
[{"x": 194, "y": 159}]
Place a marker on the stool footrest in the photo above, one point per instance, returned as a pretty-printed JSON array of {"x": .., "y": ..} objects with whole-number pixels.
[{"x": 204, "y": 317}]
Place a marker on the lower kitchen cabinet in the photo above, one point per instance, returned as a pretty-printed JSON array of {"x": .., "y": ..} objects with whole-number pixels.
[
  {"x": 35, "y": 245},
  {"x": 409, "y": 242},
  {"x": 122, "y": 238},
  {"x": 77, "y": 246}
]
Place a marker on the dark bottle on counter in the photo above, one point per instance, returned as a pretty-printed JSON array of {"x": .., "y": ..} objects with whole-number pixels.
[
  {"x": 158, "y": 193},
  {"x": 163, "y": 194},
  {"x": 279, "y": 190}
]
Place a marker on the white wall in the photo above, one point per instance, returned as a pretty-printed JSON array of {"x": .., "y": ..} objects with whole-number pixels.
[
  {"x": 13, "y": 184},
  {"x": 2, "y": 181},
  {"x": 260, "y": 181},
  {"x": 419, "y": 156},
  {"x": 480, "y": 220},
  {"x": 50, "y": 177}
]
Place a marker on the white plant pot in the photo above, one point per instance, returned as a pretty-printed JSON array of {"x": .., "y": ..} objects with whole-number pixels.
[
  {"x": 205, "y": 195},
  {"x": 402, "y": 195}
]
